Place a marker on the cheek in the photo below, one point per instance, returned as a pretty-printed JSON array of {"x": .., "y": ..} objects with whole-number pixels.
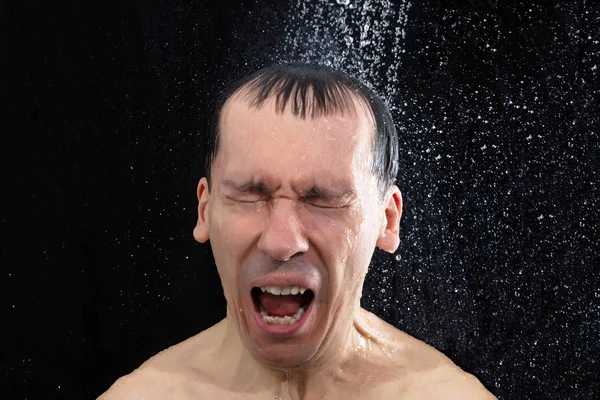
[
  {"x": 232, "y": 235},
  {"x": 342, "y": 242},
  {"x": 231, "y": 229},
  {"x": 358, "y": 244}
]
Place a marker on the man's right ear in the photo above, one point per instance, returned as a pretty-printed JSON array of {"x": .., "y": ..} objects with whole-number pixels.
[{"x": 201, "y": 229}]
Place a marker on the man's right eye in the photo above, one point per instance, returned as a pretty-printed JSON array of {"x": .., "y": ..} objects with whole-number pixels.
[
  {"x": 250, "y": 201},
  {"x": 246, "y": 198}
]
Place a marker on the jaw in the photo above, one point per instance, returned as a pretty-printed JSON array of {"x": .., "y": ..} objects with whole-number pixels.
[
  {"x": 283, "y": 341},
  {"x": 311, "y": 347},
  {"x": 282, "y": 347},
  {"x": 310, "y": 341}
]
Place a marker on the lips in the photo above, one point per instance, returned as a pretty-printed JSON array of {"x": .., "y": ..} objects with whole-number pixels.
[{"x": 281, "y": 309}]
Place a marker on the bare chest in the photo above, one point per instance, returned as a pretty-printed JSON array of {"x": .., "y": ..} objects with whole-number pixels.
[{"x": 361, "y": 390}]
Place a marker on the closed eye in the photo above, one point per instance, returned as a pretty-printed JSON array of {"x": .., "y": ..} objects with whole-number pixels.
[
  {"x": 248, "y": 192},
  {"x": 320, "y": 202},
  {"x": 318, "y": 197},
  {"x": 246, "y": 198}
]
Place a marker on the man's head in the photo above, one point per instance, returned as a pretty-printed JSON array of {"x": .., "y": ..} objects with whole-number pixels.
[{"x": 301, "y": 165}]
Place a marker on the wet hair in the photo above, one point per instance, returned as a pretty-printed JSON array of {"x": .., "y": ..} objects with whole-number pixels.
[{"x": 311, "y": 91}]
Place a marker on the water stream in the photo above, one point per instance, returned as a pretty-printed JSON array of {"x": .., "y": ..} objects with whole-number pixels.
[{"x": 362, "y": 38}]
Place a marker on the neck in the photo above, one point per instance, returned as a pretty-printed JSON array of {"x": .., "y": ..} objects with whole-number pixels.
[{"x": 335, "y": 363}]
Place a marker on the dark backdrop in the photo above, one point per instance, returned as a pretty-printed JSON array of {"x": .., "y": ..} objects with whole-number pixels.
[{"x": 498, "y": 113}]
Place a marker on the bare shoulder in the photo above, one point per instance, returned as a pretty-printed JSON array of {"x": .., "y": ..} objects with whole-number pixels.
[
  {"x": 448, "y": 383},
  {"x": 147, "y": 383},
  {"x": 434, "y": 376},
  {"x": 174, "y": 373},
  {"x": 423, "y": 372}
]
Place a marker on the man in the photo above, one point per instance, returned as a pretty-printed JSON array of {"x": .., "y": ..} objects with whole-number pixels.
[{"x": 299, "y": 190}]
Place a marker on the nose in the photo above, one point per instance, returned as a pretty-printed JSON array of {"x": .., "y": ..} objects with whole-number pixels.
[{"x": 283, "y": 235}]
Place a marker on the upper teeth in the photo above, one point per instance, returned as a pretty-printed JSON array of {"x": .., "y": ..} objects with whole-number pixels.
[{"x": 283, "y": 290}]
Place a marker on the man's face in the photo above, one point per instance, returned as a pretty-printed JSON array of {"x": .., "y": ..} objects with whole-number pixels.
[{"x": 293, "y": 206}]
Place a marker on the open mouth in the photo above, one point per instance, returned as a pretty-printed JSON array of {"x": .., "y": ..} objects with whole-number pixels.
[{"x": 282, "y": 305}]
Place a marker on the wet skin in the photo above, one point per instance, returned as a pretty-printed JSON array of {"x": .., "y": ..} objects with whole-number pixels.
[{"x": 293, "y": 202}]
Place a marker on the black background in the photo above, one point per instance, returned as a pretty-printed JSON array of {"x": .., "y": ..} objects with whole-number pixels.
[{"x": 499, "y": 125}]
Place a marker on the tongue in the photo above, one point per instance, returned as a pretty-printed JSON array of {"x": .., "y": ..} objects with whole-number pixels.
[{"x": 281, "y": 305}]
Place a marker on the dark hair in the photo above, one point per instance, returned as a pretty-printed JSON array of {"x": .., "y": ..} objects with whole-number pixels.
[{"x": 312, "y": 90}]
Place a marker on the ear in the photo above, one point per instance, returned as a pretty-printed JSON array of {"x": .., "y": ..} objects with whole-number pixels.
[
  {"x": 201, "y": 229},
  {"x": 389, "y": 234}
]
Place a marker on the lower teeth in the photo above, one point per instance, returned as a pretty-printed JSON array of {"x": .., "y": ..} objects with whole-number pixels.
[{"x": 287, "y": 320}]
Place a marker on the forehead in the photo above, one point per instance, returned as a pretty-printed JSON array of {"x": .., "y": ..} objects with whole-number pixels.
[
  {"x": 241, "y": 121},
  {"x": 262, "y": 140}
]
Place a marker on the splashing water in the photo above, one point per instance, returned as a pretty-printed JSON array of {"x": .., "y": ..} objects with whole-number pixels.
[{"x": 352, "y": 36}]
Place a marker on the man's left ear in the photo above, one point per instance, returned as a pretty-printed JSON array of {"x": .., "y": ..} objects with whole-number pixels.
[{"x": 389, "y": 233}]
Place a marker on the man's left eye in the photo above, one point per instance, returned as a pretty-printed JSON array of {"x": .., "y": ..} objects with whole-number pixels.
[{"x": 320, "y": 203}]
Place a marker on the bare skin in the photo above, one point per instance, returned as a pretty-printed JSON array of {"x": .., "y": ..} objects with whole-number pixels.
[
  {"x": 385, "y": 363},
  {"x": 293, "y": 202}
]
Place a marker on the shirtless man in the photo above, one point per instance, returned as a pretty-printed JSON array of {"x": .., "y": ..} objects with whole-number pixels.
[{"x": 299, "y": 190}]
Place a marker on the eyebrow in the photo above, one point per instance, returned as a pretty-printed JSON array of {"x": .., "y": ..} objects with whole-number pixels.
[
  {"x": 247, "y": 186},
  {"x": 328, "y": 194}
]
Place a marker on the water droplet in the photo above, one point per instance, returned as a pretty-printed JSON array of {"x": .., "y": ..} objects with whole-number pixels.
[
  {"x": 241, "y": 309},
  {"x": 398, "y": 257},
  {"x": 343, "y": 2}
]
